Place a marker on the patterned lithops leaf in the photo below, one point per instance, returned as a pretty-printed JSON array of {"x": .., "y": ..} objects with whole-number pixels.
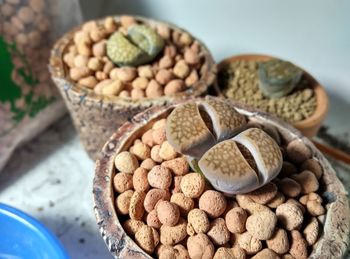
[
  {"x": 187, "y": 132},
  {"x": 264, "y": 149},
  {"x": 146, "y": 39},
  {"x": 225, "y": 119},
  {"x": 227, "y": 169},
  {"x": 122, "y": 52}
]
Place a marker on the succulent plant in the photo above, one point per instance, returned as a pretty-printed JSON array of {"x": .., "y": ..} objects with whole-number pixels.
[
  {"x": 140, "y": 46},
  {"x": 193, "y": 128},
  {"x": 278, "y": 78},
  {"x": 146, "y": 39},
  {"x": 227, "y": 170},
  {"x": 187, "y": 132},
  {"x": 243, "y": 163},
  {"x": 217, "y": 143}
]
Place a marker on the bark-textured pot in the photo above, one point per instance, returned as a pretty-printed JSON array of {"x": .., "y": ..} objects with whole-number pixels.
[
  {"x": 309, "y": 126},
  {"x": 96, "y": 117},
  {"x": 331, "y": 244}
]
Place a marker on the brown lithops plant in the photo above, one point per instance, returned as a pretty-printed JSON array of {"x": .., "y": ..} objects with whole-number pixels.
[
  {"x": 226, "y": 121},
  {"x": 193, "y": 128},
  {"x": 265, "y": 150},
  {"x": 227, "y": 170},
  {"x": 187, "y": 131},
  {"x": 243, "y": 163}
]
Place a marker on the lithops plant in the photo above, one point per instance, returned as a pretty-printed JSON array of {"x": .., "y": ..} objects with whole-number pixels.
[
  {"x": 225, "y": 120},
  {"x": 238, "y": 165},
  {"x": 187, "y": 131},
  {"x": 265, "y": 151},
  {"x": 243, "y": 163},
  {"x": 278, "y": 78},
  {"x": 146, "y": 39},
  {"x": 193, "y": 128},
  {"x": 122, "y": 52},
  {"x": 140, "y": 46},
  {"x": 227, "y": 170}
]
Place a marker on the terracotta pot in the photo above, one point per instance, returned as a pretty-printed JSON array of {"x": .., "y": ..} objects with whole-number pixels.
[
  {"x": 96, "y": 117},
  {"x": 309, "y": 126},
  {"x": 331, "y": 244}
]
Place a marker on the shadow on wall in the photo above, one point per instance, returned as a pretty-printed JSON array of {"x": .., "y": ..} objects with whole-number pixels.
[{"x": 95, "y": 9}]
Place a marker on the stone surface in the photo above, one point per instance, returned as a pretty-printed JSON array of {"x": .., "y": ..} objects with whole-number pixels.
[{"x": 51, "y": 179}]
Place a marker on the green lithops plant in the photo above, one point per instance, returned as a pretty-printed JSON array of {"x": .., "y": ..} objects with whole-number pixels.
[
  {"x": 277, "y": 78},
  {"x": 146, "y": 39},
  {"x": 122, "y": 52},
  {"x": 140, "y": 46}
]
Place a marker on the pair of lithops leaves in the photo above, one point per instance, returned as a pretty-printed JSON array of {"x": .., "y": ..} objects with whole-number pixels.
[
  {"x": 217, "y": 140},
  {"x": 278, "y": 78},
  {"x": 139, "y": 46}
]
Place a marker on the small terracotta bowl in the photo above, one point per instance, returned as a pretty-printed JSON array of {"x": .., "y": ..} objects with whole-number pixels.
[
  {"x": 96, "y": 117},
  {"x": 331, "y": 244},
  {"x": 309, "y": 126}
]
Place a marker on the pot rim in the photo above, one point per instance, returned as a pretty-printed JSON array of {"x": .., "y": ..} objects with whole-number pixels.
[
  {"x": 59, "y": 70},
  {"x": 321, "y": 96},
  {"x": 336, "y": 227}
]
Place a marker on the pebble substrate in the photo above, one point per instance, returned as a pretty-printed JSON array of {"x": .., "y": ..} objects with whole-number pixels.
[
  {"x": 176, "y": 68},
  {"x": 171, "y": 212},
  {"x": 239, "y": 81}
]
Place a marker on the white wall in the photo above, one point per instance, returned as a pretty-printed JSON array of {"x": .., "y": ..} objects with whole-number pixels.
[{"x": 314, "y": 34}]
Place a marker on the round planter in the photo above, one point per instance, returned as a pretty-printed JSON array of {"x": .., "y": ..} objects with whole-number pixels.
[
  {"x": 334, "y": 238},
  {"x": 96, "y": 117},
  {"x": 309, "y": 126}
]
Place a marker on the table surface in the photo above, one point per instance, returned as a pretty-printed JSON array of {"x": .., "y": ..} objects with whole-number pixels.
[{"x": 51, "y": 176}]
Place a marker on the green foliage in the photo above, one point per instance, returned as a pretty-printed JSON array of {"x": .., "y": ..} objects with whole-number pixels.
[{"x": 11, "y": 92}]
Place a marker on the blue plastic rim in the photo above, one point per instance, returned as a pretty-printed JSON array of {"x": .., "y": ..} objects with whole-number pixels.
[{"x": 22, "y": 237}]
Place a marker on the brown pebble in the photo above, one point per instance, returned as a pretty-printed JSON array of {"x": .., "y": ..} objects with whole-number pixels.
[
  {"x": 178, "y": 166},
  {"x": 168, "y": 213},
  {"x": 249, "y": 243},
  {"x": 218, "y": 232},
  {"x": 307, "y": 181},
  {"x": 236, "y": 220},
  {"x": 200, "y": 246},
  {"x": 289, "y": 216},
  {"x": 298, "y": 152},
  {"x": 276, "y": 201},
  {"x": 152, "y": 220},
  {"x": 122, "y": 182},
  {"x": 287, "y": 169},
  {"x": 279, "y": 241},
  {"x": 153, "y": 196},
  {"x": 160, "y": 177},
  {"x": 298, "y": 247},
  {"x": 289, "y": 187},
  {"x": 212, "y": 202},
  {"x": 174, "y": 86},
  {"x": 139, "y": 179},
  {"x": 164, "y": 76},
  {"x": 313, "y": 166},
  {"x": 262, "y": 225},
  {"x": 148, "y": 164},
  {"x": 136, "y": 209},
  {"x": 264, "y": 194},
  {"x": 155, "y": 154},
  {"x": 266, "y": 254}
]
